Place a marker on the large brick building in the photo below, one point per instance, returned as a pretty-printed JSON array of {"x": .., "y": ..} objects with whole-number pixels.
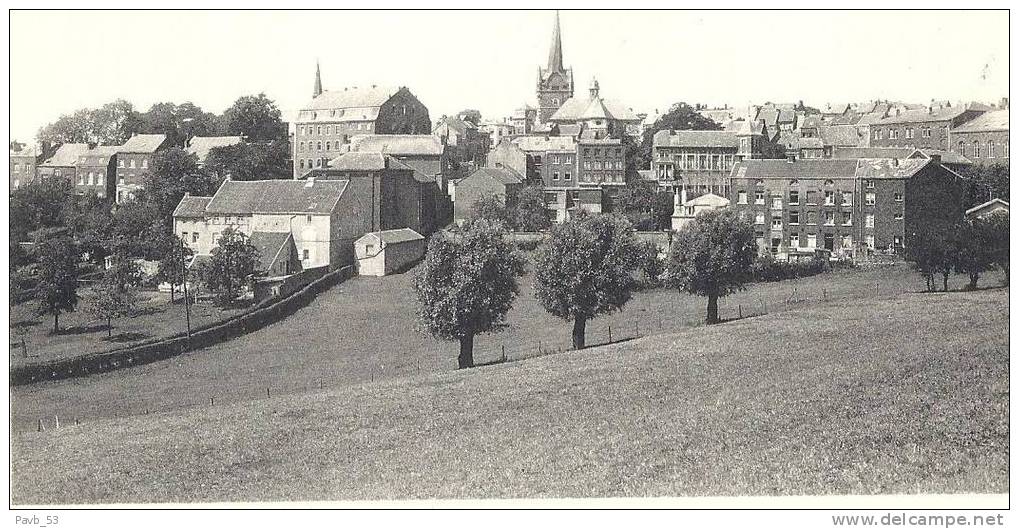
[
  {"x": 848, "y": 207},
  {"x": 984, "y": 139},
  {"x": 63, "y": 162},
  {"x": 23, "y": 166},
  {"x": 926, "y": 128},
  {"x": 96, "y": 172},
  {"x": 134, "y": 162},
  {"x": 325, "y": 125}
]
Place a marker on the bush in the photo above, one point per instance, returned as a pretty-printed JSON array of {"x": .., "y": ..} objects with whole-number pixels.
[
  {"x": 650, "y": 265},
  {"x": 767, "y": 269}
]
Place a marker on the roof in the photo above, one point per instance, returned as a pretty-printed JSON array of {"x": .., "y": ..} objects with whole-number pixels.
[
  {"x": 580, "y": 108},
  {"x": 461, "y": 126},
  {"x": 709, "y": 199},
  {"x": 67, "y": 155},
  {"x": 503, "y": 175},
  {"x": 986, "y": 205},
  {"x": 750, "y": 127},
  {"x": 396, "y": 236},
  {"x": 878, "y": 168},
  {"x": 810, "y": 122},
  {"x": 545, "y": 143},
  {"x": 398, "y": 144},
  {"x": 923, "y": 115},
  {"x": 869, "y": 168},
  {"x": 143, "y": 143},
  {"x": 996, "y": 120},
  {"x": 840, "y": 135},
  {"x": 277, "y": 197},
  {"x": 854, "y": 153},
  {"x": 25, "y": 151},
  {"x": 99, "y": 156},
  {"x": 696, "y": 138},
  {"x": 200, "y": 146},
  {"x": 366, "y": 161},
  {"x": 352, "y": 98},
  {"x": 269, "y": 244},
  {"x": 191, "y": 207}
]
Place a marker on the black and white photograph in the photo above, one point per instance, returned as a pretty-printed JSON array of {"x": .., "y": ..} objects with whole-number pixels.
[{"x": 748, "y": 263}]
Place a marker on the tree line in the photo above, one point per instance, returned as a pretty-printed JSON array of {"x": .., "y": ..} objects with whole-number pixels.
[{"x": 972, "y": 247}]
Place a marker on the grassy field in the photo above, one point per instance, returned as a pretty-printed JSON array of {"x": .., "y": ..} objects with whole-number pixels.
[
  {"x": 363, "y": 330},
  {"x": 885, "y": 393},
  {"x": 80, "y": 333}
]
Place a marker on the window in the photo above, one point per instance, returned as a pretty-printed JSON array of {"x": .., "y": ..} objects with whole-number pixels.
[
  {"x": 759, "y": 197},
  {"x": 893, "y": 134},
  {"x": 320, "y": 146},
  {"x": 741, "y": 197},
  {"x": 794, "y": 182},
  {"x": 776, "y": 202},
  {"x": 829, "y": 218},
  {"x": 776, "y": 224},
  {"x": 898, "y": 197},
  {"x": 877, "y": 134},
  {"x": 307, "y": 218},
  {"x": 899, "y": 216},
  {"x": 847, "y": 241},
  {"x": 131, "y": 164},
  {"x": 829, "y": 198},
  {"x": 869, "y": 184},
  {"x": 100, "y": 179},
  {"x": 91, "y": 178},
  {"x": 794, "y": 240},
  {"x": 847, "y": 218},
  {"x": 990, "y": 149},
  {"x": 847, "y": 198},
  {"x": 759, "y": 218},
  {"x": 120, "y": 163},
  {"x": 302, "y": 163},
  {"x": 301, "y": 148},
  {"x": 909, "y": 133},
  {"x": 81, "y": 179},
  {"x": 976, "y": 150},
  {"x": 794, "y": 198},
  {"x": 897, "y": 241},
  {"x": 870, "y": 199},
  {"x": 145, "y": 163},
  {"x": 811, "y": 240},
  {"x": 869, "y": 241},
  {"x": 868, "y": 220},
  {"x": 811, "y": 197},
  {"x": 925, "y": 133},
  {"x": 567, "y": 176},
  {"x": 555, "y": 175},
  {"x": 305, "y": 254},
  {"x": 794, "y": 218},
  {"x": 194, "y": 237}
]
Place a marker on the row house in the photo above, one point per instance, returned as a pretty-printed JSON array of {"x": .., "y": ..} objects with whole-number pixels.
[
  {"x": 23, "y": 162},
  {"x": 926, "y": 128},
  {"x": 984, "y": 140},
  {"x": 96, "y": 172},
  {"x": 326, "y": 124},
  {"x": 467, "y": 144},
  {"x": 63, "y": 162},
  {"x": 849, "y": 208},
  {"x": 134, "y": 163},
  {"x": 323, "y": 218}
]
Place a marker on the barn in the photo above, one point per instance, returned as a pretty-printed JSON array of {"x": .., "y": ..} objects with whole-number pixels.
[{"x": 381, "y": 253}]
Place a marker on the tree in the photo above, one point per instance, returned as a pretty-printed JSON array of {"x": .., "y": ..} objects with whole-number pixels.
[
  {"x": 108, "y": 302},
  {"x": 467, "y": 284},
  {"x": 233, "y": 262},
  {"x": 179, "y": 123},
  {"x": 123, "y": 273},
  {"x": 38, "y": 205},
  {"x": 471, "y": 115},
  {"x": 57, "y": 289},
  {"x": 932, "y": 251},
  {"x": 997, "y": 226},
  {"x": 490, "y": 207},
  {"x": 650, "y": 264},
  {"x": 170, "y": 266},
  {"x": 647, "y": 207},
  {"x": 530, "y": 213},
  {"x": 256, "y": 118},
  {"x": 251, "y": 161},
  {"x": 974, "y": 249},
  {"x": 136, "y": 226},
  {"x": 89, "y": 219},
  {"x": 680, "y": 117},
  {"x": 175, "y": 172},
  {"x": 110, "y": 124},
  {"x": 586, "y": 269},
  {"x": 986, "y": 182},
  {"x": 712, "y": 256}
]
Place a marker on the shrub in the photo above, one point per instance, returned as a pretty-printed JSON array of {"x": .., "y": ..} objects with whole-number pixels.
[{"x": 766, "y": 269}]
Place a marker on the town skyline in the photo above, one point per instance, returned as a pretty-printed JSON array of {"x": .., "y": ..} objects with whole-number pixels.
[{"x": 498, "y": 78}]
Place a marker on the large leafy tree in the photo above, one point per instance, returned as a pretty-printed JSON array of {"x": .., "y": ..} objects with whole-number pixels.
[
  {"x": 179, "y": 123},
  {"x": 586, "y": 269},
  {"x": 256, "y": 118},
  {"x": 932, "y": 251},
  {"x": 647, "y": 207},
  {"x": 108, "y": 300},
  {"x": 997, "y": 226},
  {"x": 38, "y": 205},
  {"x": 712, "y": 256},
  {"x": 251, "y": 161},
  {"x": 174, "y": 173},
  {"x": 57, "y": 289},
  {"x": 89, "y": 219},
  {"x": 986, "y": 182},
  {"x": 490, "y": 207},
  {"x": 530, "y": 213},
  {"x": 680, "y": 116},
  {"x": 467, "y": 284},
  {"x": 110, "y": 124},
  {"x": 471, "y": 115},
  {"x": 975, "y": 249},
  {"x": 170, "y": 268},
  {"x": 232, "y": 264}
]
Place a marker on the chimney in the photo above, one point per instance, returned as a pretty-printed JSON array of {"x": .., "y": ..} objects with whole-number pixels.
[{"x": 936, "y": 158}]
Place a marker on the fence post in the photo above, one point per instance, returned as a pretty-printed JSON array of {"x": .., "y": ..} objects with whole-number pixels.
[
  {"x": 539, "y": 346},
  {"x": 41, "y": 427},
  {"x": 76, "y": 423},
  {"x": 503, "y": 354},
  {"x": 267, "y": 394},
  {"x": 740, "y": 308},
  {"x": 824, "y": 294},
  {"x": 56, "y": 421},
  {"x": 212, "y": 401},
  {"x": 610, "y": 334}
]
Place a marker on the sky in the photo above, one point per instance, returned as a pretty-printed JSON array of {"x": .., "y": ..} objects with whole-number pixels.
[{"x": 487, "y": 60}]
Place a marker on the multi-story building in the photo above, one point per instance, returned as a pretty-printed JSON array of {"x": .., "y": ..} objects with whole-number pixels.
[
  {"x": 847, "y": 207},
  {"x": 326, "y": 124},
  {"x": 927, "y": 129},
  {"x": 555, "y": 82},
  {"x": 96, "y": 172},
  {"x": 323, "y": 217},
  {"x": 23, "y": 166},
  {"x": 502, "y": 183},
  {"x": 524, "y": 120},
  {"x": 467, "y": 144},
  {"x": 62, "y": 163},
  {"x": 134, "y": 162},
  {"x": 497, "y": 131},
  {"x": 597, "y": 117},
  {"x": 984, "y": 140}
]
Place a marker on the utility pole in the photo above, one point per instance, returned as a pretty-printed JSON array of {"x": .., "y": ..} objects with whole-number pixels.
[{"x": 184, "y": 280}]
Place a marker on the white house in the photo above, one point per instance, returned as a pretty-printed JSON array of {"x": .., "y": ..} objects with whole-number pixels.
[
  {"x": 684, "y": 211},
  {"x": 381, "y": 253},
  {"x": 987, "y": 209}
]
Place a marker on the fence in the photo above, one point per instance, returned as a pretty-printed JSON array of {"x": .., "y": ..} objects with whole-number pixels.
[
  {"x": 642, "y": 317},
  {"x": 266, "y": 312}
]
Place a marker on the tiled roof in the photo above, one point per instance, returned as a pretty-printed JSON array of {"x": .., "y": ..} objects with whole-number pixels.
[
  {"x": 268, "y": 244},
  {"x": 503, "y": 175},
  {"x": 946, "y": 156},
  {"x": 545, "y": 143},
  {"x": 814, "y": 168},
  {"x": 923, "y": 115},
  {"x": 191, "y": 207},
  {"x": 986, "y": 205},
  {"x": 67, "y": 155},
  {"x": 747, "y": 128},
  {"x": 810, "y": 122},
  {"x": 840, "y": 135},
  {"x": 398, "y": 144},
  {"x": 200, "y": 146},
  {"x": 877, "y": 168},
  {"x": 277, "y": 197},
  {"x": 24, "y": 151},
  {"x": 366, "y": 161},
  {"x": 854, "y": 153},
  {"x": 396, "y": 236},
  {"x": 708, "y": 199},
  {"x": 578, "y": 108},
  {"x": 143, "y": 143},
  {"x": 352, "y": 98},
  {"x": 695, "y": 138},
  {"x": 996, "y": 120},
  {"x": 99, "y": 156}
]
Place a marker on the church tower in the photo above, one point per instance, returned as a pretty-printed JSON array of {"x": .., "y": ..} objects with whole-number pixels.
[
  {"x": 318, "y": 80},
  {"x": 555, "y": 83}
]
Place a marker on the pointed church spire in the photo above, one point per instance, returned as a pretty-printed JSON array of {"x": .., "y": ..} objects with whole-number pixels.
[
  {"x": 318, "y": 80},
  {"x": 555, "y": 55}
]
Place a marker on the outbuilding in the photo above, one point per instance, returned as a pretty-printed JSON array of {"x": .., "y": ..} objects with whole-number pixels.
[{"x": 381, "y": 253}]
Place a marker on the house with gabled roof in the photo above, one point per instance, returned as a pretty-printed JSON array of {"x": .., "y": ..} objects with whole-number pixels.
[
  {"x": 202, "y": 146},
  {"x": 381, "y": 253},
  {"x": 134, "y": 162},
  {"x": 503, "y": 183},
  {"x": 63, "y": 163}
]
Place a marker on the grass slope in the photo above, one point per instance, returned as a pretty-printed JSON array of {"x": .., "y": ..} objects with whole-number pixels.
[
  {"x": 902, "y": 394},
  {"x": 363, "y": 330}
]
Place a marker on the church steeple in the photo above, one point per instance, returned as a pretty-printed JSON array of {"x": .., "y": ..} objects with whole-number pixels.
[
  {"x": 318, "y": 80},
  {"x": 555, "y": 54}
]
